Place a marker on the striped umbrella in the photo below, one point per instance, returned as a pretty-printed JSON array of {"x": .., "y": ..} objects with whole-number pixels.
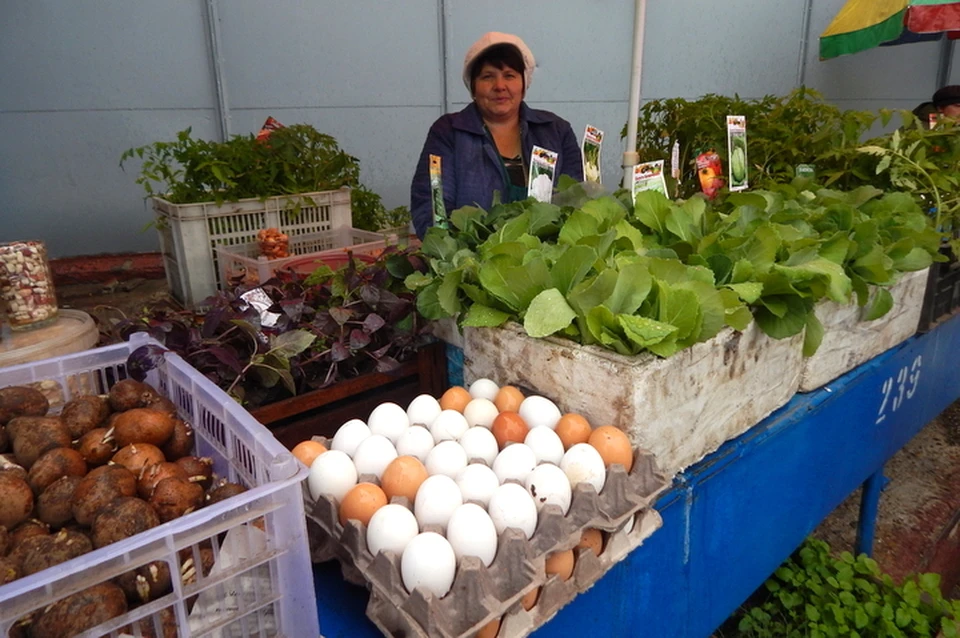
[{"x": 864, "y": 24}]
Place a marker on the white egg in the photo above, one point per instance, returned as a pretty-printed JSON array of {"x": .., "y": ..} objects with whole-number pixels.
[
  {"x": 447, "y": 457},
  {"x": 374, "y": 454},
  {"x": 415, "y": 441},
  {"x": 483, "y": 389},
  {"x": 448, "y": 426},
  {"x": 583, "y": 464},
  {"x": 471, "y": 532},
  {"x": 479, "y": 443},
  {"x": 349, "y": 436},
  {"x": 545, "y": 443},
  {"x": 388, "y": 419},
  {"x": 480, "y": 411},
  {"x": 514, "y": 462},
  {"x": 548, "y": 485},
  {"x": 537, "y": 410},
  {"x": 436, "y": 499},
  {"x": 428, "y": 562},
  {"x": 477, "y": 482},
  {"x": 331, "y": 474},
  {"x": 512, "y": 506},
  {"x": 391, "y": 528},
  {"x": 423, "y": 410}
]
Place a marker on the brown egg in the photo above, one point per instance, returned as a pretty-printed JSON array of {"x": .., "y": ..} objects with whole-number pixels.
[
  {"x": 560, "y": 563},
  {"x": 402, "y": 477},
  {"x": 455, "y": 398},
  {"x": 307, "y": 451},
  {"x": 613, "y": 446},
  {"x": 490, "y": 630},
  {"x": 508, "y": 399},
  {"x": 361, "y": 502},
  {"x": 530, "y": 599},
  {"x": 592, "y": 538},
  {"x": 509, "y": 427},
  {"x": 572, "y": 429}
]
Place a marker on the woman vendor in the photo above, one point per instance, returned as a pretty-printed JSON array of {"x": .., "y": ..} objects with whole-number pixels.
[{"x": 486, "y": 147}]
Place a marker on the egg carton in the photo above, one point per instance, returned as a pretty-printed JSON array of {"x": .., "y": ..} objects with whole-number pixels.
[{"x": 483, "y": 594}]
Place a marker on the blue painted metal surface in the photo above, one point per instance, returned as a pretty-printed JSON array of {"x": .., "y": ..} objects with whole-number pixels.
[
  {"x": 869, "y": 505},
  {"x": 729, "y": 521}
]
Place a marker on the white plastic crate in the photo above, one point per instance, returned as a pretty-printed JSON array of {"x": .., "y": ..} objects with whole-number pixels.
[
  {"x": 261, "y": 583},
  {"x": 244, "y": 260},
  {"x": 190, "y": 233}
]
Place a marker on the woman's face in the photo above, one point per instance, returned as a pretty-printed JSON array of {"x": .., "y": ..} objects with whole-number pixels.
[
  {"x": 951, "y": 111},
  {"x": 498, "y": 92}
]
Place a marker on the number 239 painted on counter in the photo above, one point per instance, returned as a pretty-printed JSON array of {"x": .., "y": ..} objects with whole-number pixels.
[{"x": 896, "y": 391}]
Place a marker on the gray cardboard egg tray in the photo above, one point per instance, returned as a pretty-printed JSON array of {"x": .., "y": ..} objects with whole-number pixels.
[{"x": 481, "y": 594}]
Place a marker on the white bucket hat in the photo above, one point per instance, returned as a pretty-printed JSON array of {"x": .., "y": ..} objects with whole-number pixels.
[{"x": 493, "y": 38}]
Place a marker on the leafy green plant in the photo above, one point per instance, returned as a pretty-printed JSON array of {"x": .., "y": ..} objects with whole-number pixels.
[
  {"x": 293, "y": 159},
  {"x": 817, "y": 595}
]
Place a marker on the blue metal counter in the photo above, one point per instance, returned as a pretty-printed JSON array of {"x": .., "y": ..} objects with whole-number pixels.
[{"x": 732, "y": 519}]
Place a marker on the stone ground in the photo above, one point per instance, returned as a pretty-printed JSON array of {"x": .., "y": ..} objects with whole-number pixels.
[{"x": 918, "y": 525}]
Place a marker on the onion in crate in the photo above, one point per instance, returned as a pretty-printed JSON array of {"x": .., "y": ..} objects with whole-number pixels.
[{"x": 428, "y": 562}]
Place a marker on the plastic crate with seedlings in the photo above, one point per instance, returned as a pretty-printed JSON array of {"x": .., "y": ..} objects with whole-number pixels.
[
  {"x": 144, "y": 509},
  {"x": 493, "y": 530}
]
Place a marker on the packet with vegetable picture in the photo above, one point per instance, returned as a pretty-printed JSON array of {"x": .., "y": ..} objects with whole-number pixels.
[
  {"x": 737, "y": 152},
  {"x": 648, "y": 176},
  {"x": 592, "y": 140},
  {"x": 710, "y": 173},
  {"x": 543, "y": 166}
]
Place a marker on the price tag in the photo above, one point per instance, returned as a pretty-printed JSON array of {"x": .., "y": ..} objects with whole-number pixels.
[{"x": 899, "y": 388}]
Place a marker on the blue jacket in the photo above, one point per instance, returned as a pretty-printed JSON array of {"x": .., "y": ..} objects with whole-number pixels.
[{"x": 470, "y": 163}]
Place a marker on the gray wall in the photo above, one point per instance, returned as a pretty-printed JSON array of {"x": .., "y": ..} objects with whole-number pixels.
[{"x": 83, "y": 80}]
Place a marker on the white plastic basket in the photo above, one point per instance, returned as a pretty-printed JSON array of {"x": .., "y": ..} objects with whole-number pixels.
[
  {"x": 261, "y": 582},
  {"x": 190, "y": 233},
  {"x": 243, "y": 261}
]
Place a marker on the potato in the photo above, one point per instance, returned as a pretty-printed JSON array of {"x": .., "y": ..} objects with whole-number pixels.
[
  {"x": 9, "y": 465},
  {"x": 84, "y": 414},
  {"x": 137, "y": 456},
  {"x": 98, "y": 488},
  {"x": 181, "y": 441},
  {"x": 145, "y": 583},
  {"x": 32, "y": 439},
  {"x": 163, "y": 404},
  {"x": 53, "y": 464},
  {"x": 21, "y": 401},
  {"x": 143, "y": 425},
  {"x": 4, "y": 439},
  {"x": 97, "y": 446},
  {"x": 81, "y": 611},
  {"x": 4, "y": 541},
  {"x": 173, "y": 497},
  {"x": 224, "y": 490},
  {"x": 16, "y": 500},
  {"x": 168, "y": 625},
  {"x": 199, "y": 470},
  {"x": 41, "y": 552},
  {"x": 55, "y": 504},
  {"x": 9, "y": 570},
  {"x": 153, "y": 474},
  {"x": 27, "y": 529},
  {"x": 129, "y": 394},
  {"x": 122, "y": 518}
]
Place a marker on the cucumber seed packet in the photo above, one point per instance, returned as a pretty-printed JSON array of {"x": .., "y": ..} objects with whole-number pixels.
[
  {"x": 737, "y": 152},
  {"x": 592, "y": 139},
  {"x": 543, "y": 165},
  {"x": 436, "y": 192}
]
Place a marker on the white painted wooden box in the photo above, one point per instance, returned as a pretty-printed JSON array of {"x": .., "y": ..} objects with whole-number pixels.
[
  {"x": 848, "y": 341},
  {"x": 680, "y": 408}
]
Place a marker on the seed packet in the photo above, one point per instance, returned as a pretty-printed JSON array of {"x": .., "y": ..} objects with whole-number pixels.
[
  {"x": 268, "y": 127},
  {"x": 710, "y": 172},
  {"x": 648, "y": 176},
  {"x": 675, "y": 167},
  {"x": 592, "y": 139},
  {"x": 436, "y": 192},
  {"x": 737, "y": 152},
  {"x": 805, "y": 170},
  {"x": 543, "y": 165}
]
